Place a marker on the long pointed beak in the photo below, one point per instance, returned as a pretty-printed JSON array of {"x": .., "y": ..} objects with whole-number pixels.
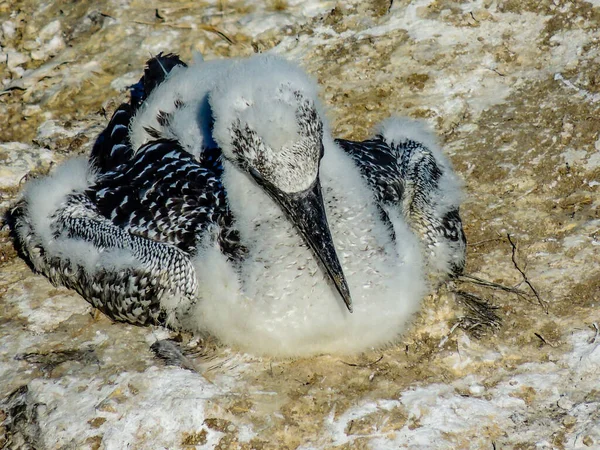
[{"x": 307, "y": 212}]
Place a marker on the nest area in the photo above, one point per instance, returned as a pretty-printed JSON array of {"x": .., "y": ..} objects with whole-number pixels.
[{"x": 511, "y": 88}]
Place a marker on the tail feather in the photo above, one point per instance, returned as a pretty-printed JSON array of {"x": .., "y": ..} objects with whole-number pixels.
[
  {"x": 157, "y": 69},
  {"x": 113, "y": 147}
]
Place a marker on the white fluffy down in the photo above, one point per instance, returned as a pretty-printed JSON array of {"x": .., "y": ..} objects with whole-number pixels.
[
  {"x": 44, "y": 197},
  {"x": 260, "y": 92},
  {"x": 192, "y": 122},
  {"x": 221, "y": 90},
  {"x": 279, "y": 302}
]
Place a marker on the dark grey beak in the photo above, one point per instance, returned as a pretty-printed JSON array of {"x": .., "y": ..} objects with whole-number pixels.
[{"x": 307, "y": 213}]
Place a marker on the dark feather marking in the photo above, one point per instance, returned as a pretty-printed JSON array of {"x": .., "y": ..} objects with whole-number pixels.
[
  {"x": 406, "y": 177},
  {"x": 153, "y": 132},
  {"x": 165, "y": 194}
]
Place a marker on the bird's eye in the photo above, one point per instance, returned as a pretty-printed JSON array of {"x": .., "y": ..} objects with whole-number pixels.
[{"x": 255, "y": 174}]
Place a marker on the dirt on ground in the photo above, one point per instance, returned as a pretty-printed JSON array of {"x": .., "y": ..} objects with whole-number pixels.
[{"x": 512, "y": 90}]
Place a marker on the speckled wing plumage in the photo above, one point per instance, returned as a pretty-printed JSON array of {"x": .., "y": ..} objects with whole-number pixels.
[
  {"x": 140, "y": 221},
  {"x": 141, "y": 271},
  {"x": 164, "y": 194},
  {"x": 405, "y": 175},
  {"x": 160, "y": 191},
  {"x": 113, "y": 147},
  {"x": 379, "y": 165}
]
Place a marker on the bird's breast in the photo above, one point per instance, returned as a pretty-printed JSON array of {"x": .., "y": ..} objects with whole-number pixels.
[{"x": 279, "y": 298}]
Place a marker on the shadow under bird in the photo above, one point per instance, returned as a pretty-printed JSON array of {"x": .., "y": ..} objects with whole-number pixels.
[{"x": 218, "y": 202}]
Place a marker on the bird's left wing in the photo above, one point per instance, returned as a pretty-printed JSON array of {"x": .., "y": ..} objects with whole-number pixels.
[
  {"x": 407, "y": 175},
  {"x": 163, "y": 193}
]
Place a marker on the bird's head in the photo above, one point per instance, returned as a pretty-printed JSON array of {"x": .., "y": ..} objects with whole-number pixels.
[
  {"x": 277, "y": 140},
  {"x": 267, "y": 123}
]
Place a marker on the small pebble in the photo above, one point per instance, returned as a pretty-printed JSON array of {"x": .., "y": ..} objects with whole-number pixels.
[
  {"x": 476, "y": 389},
  {"x": 565, "y": 403},
  {"x": 569, "y": 421}
]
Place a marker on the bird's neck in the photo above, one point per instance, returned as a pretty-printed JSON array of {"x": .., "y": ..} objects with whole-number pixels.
[{"x": 251, "y": 206}]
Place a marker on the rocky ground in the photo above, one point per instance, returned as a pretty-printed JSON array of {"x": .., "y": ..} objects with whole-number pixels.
[{"x": 511, "y": 87}]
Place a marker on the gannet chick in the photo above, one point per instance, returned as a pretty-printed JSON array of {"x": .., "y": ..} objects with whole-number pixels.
[{"x": 218, "y": 202}]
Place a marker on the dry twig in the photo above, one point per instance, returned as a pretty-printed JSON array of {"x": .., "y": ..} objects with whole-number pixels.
[
  {"x": 524, "y": 275},
  {"x": 545, "y": 341},
  {"x": 484, "y": 241},
  {"x": 372, "y": 363},
  {"x": 204, "y": 27},
  {"x": 445, "y": 338},
  {"x": 486, "y": 283}
]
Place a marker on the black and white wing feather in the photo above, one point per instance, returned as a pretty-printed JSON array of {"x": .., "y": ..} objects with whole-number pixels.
[
  {"x": 122, "y": 228},
  {"x": 407, "y": 175},
  {"x": 163, "y": 193},
  {"x": 112, "y": 147}
]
